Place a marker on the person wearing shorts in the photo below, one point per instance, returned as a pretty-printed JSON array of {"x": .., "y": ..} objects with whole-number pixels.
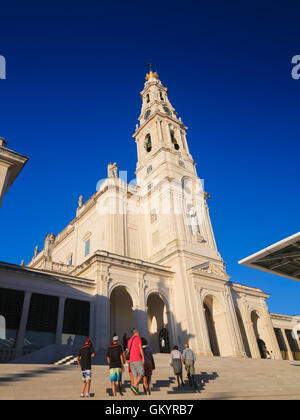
[
  {"x": 136, "y": 360},
  {"x": 84, "y": 361},
  {"x": 115, "y": 360}
]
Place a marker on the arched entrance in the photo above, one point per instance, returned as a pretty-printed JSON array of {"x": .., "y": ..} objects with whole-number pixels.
[
  {"x": 157, "y": 323},
  {"x": 259, "y": 334},
  {"x": 164, "y": 341},
  {"x": 216, "y": 326},
  {"x": 122, "y": 319},
  {"x": 214, "y": 346}
]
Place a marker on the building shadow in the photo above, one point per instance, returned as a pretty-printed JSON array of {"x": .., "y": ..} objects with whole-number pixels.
[{"x": 15, "y": 377}]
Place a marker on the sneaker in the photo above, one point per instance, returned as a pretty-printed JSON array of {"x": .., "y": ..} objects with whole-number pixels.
[{"x": 134, "y": 390}]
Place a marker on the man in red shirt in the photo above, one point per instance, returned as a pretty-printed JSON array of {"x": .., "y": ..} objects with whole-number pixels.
[{"x": 136, "y": 360}]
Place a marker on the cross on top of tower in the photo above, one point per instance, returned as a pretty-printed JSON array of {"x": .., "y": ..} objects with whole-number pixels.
[{"x": 151, "y": 68}]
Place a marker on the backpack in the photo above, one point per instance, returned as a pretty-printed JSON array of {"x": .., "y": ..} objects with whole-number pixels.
[{"x": 127, "y": 351}]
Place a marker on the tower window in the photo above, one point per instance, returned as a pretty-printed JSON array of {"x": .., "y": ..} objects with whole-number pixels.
[
  {"x": 148, "y": 98},
  {"x": 148, "y": 143},
  {"x": 174, "y": 141},
  {"x": 161, "y": 95}
]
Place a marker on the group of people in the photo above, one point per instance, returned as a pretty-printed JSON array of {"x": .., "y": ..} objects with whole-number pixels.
[
  {"x": 188, "y": 358},
  {"x": 138, "y": 354},
  {"x": 140, "y": 363}
]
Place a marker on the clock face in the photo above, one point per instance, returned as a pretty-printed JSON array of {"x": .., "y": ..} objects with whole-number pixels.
[
  {"x": 166, "y": 109},
  {"x": 146, "y": 116}
]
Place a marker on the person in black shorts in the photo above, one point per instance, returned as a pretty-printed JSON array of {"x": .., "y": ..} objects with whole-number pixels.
[
  {"x": 115, "y": 359},
  {"x": 84, "y": 360}
]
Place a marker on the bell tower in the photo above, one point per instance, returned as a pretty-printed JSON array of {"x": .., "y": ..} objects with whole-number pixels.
[
  {"x": 161, "y": 135},
  {"x": 171, "y": 194}
]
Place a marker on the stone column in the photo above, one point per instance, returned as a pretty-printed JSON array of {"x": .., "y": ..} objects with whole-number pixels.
[
  {"x": 248, "y": 324},
  {"x": 159, "y": 132},
  {"x": 290, "y": 354},
  {"x": 60, "y": 320},
  {"x": 102, "y": 309},
  {"x": 237, "y": 342},
  {"x": 140, "y": 310},
  {"x": 141, "y": 321},
  {"x": 271, "y": 333},
  {"x": 204, "y": 348},
  {"x": 22, "y": 327},
  {"x": 92, "y": 322}
]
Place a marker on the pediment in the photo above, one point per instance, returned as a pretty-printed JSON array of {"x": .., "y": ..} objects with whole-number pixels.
[{"x": 212, "y": 269}]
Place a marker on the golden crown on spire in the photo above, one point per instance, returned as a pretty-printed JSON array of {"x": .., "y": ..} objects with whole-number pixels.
[{"x": 151, "y": 72}]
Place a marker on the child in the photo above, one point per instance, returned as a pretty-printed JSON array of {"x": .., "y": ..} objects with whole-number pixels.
[
  {"x": 116, "y": 364},
  {"x": 84, "y": 361}
]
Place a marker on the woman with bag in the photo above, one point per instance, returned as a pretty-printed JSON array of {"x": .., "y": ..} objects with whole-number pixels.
[
  {"x": 176, "y": 363},
  {"x": 149, "y": 366}
]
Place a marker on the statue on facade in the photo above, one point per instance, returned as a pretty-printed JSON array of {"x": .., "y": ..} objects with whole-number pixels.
[
  {"x": 36, "y": 250},
  {"x": 49, "y": 241},
  {"x": 112, "y": 170},
  {"x": 80, "y": 201},
  {"x": 194, "y": 221}
]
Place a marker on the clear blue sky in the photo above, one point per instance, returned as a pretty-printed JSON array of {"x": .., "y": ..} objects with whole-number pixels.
[{"x": 71, "y": 101}]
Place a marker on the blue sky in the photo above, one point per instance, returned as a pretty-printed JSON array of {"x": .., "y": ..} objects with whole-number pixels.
[{"x": 71, "y": 101}]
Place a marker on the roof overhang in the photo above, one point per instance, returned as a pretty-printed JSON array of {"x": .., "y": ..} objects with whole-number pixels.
[{"x": 281, "y": 258}]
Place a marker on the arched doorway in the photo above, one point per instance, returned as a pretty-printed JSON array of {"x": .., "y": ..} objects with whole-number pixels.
[
  {"x": 259, "y": 334},
  {"x": 122, "y": 319},
  {"x": 164, "y": 341},
  {"x": 214, "y": 346},
  {"x": 217, "y": 327},
  {"x": 157, "y": 323}
]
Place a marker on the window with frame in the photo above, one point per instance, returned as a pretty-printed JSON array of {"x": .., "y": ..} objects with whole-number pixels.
[
  {"x": 70, "y": 259},
  {"x": 87, "y": 247}
]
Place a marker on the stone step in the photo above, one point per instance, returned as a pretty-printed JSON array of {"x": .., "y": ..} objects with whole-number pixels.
[{"x": 218, "y": 378}]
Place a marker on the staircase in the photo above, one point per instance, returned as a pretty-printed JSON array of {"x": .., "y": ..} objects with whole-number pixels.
[
  {"x": 67, "y": 361},
  {"x": 217, "y": 378}
]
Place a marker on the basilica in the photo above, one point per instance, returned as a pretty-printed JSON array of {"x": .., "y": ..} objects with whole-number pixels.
[{"x": 140, "y": 254}]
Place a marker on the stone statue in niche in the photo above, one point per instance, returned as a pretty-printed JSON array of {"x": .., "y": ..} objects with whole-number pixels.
[{"x": 194, "y": 221}]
